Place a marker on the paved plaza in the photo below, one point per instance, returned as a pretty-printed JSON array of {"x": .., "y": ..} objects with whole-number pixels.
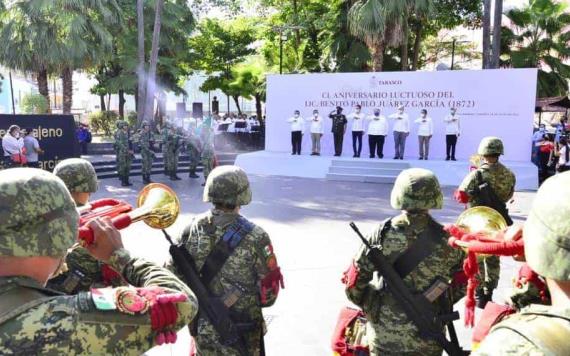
[{"x": 307, "y": 220}]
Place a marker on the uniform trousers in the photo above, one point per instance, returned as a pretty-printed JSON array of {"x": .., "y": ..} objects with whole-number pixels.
[
  {"x": 338, "y": 138},
  {"x": 376, "y": 145},
  {"x": 296, "y": 140}
]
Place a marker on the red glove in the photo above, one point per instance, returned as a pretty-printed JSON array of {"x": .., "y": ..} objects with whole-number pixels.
[
  {"x": 350, "y": 276},
  {"x": 163, "y": 313},
  {"x": 461, "y": 197},
  {"x": 272, "y": 281}
]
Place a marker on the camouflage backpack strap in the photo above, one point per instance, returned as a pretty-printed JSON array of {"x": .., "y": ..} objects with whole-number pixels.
[
  {"x": 548, "y": 332},
  {"x": 15, "y": 299}
]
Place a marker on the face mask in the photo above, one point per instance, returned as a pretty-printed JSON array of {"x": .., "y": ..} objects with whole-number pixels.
[
  {"x": 357, "y": 111},
  {"x": 296, "y": 115},
  {"x": 315, "y": 114},
  {"x": 400, "y": 111},
  {"x": 17, "y": 135},
  {"x": 424, "y": 116},
  {"x": 376, "y": 114}
]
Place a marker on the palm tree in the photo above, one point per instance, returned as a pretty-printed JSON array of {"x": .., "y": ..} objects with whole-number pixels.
[
  {"x": 418, "y": 9},
  {"x": 540, "y": 38}
]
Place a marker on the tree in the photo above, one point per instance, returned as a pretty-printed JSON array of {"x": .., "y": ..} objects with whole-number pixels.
[
  {"x": 151, "y": 78},
  {"x": 141, "y": 89},
  {"x": 540, "y": 38},
  {"x": 497, "y": 25},
  {"x": 249, "y": 81},
  {"x": 486, "y": 33}
]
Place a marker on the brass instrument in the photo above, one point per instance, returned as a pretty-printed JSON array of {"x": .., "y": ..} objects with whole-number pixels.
[{"x": 157, "y": 206}]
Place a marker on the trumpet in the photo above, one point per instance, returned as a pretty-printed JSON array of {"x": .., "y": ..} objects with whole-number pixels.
[{"x": 157, "y": 205}]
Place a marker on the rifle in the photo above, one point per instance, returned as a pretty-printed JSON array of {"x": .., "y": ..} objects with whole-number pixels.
[
  {"x": 489, "y": 198},
  {"x": 213, "y": 308},
  {"x": 416, "y": 307}
]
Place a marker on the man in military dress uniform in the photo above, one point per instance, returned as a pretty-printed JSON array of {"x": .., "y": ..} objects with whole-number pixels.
[
  {"x": 389, "y": 330},
  {"x": 339, "y": 122},
  {"x": 39, "y": 224},
  {"x": 499, "y": 181},
  {"x": 249, "y": 279},
  {"x": 540, "y": 329},
  {"x": 147, "y": 154},
  {"x": 124, "y": 152}
]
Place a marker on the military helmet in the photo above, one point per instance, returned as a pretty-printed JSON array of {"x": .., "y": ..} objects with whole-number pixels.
[
  {"x": 227, "y": 185},
  {"x": 546, "y": 231},
  {"x": 416, "y": 189},
  {"x": 78, "y": 175},
  {"x": 121, "y": 124},
  {"x": 38, "y": 216},
  {"x": 491, "y": 146}
]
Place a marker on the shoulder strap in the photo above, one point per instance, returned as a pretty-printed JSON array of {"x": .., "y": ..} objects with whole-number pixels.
[
  {"x": 224, "y": 249},
  {"x": 17, "y": 299},
  {"x": 549, "y": 333}
]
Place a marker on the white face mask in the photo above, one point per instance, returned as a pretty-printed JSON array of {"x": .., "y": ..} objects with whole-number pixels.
[
  {"x": 424, "y": 115},
  {"x": 316, "y": 115},
  {"x": 357, "y": 111},
  {"x": 400, "y": 111},
  {"x": 296, "y": 115},
  {"x": 17, "y": 135}
]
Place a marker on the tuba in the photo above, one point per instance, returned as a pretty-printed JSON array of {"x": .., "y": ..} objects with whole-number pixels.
[{"x": 157, "y": 206}]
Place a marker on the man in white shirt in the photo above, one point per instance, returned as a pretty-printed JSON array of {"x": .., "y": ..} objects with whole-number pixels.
[
  {"x": 297, "y": 127},
  {"x": 452, "y": 132},
  {"x": 377, "y": 131},
  {"x": 425, "y": 132},
  {"x": 32, "y": 148},
  {"x": 357, "y": 118},
  {"x": 317, "y": 132},
  {"x": 564, "y": 155},
  {"x": 12, "y": 144},
  {"x": 401, "y": 131}
]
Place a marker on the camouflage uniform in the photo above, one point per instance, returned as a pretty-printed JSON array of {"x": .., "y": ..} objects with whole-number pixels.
[
  {"x": 39, "y": 219},
  {"x": 194, "y": 154},
  {"x": 538, "y": 329},
  {"x": 147, "y": 154},
  {"x": 171, "y": 153},
  {"x": 389, "y": 331},
  {"x": 502, "y": 180},
  {"x": 252, "y": 263},
  {"x": 208, "y": 152},
  {"x": 123, "y": 152}
]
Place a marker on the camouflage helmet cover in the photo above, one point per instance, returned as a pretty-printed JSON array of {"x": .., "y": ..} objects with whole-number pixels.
[
  {"x": 227, "y": 185},
  {"x": 416, "y": 189},
  {"x": 491, "y": 146},
  {"x": 37, "y": 214},
  {"x": 546, "y": 231},
  {"x": 78, "y": 175},
  {"x": 121, "y": 124}
]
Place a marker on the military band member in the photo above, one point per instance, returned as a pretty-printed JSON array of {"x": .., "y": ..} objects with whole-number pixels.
[
  {"x": 124, "y": 152},
  {"x": 146, "y": 143}
]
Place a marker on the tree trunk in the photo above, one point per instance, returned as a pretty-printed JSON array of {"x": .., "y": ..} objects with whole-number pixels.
[
  {"x": 236, "y": 100},
  {"x": 486, "y": 32},
  {"x": 404, "y": 46},
  {"x": 109, "y": 101},
  {"x": 151, "y": 80},
  {"x": 377, "y": 52},
  {"x": 160, "y": 107},
  {"x": 43, "y": 86},
  {"x": 102, "y": 100},
  {"x": 141, "y": 85},
  {"x": 258, "y": 106},
  {"x": 417, "y": 42},
  {"x": 67, "y": 80},
  {"x": 122, "y": 103},
  {"x": 495, "y": 62}
]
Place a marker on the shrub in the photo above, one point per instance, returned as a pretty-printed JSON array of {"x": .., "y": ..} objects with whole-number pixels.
[
  {"x": 104, "y": 121},
  {"x": 34, "y": 104}
]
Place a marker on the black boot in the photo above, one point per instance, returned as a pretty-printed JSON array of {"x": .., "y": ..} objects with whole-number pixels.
[
  {"x": 193, "y": 174},
  {"x": 127, "y": 183},
  {"x": 146, "y": 179},
  {"x": 173, "y": 176}
]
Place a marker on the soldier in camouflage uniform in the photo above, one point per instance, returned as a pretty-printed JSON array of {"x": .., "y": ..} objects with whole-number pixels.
[
  {"x": 39, "y": 224},
  {"x": 147, "y": 153},
  {"x": 208, "y": 152},
  {"x": 124, "y": 152},
  {"x": 193, "y": 145},
  {"x": 539, "y": 329},
  {"x": 249, "y": 279},
  {"x": 389, "y": 331},
  {"x": 502, "y": 182}
]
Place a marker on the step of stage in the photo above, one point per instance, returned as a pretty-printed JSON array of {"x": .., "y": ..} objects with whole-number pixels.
[{"x": 366, "y": 170}]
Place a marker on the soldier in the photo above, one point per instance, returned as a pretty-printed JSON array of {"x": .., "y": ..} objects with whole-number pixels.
[
  {"x": 124, "y": 152},
  {"x": 147, "y": 154},
  {"x": 39, "y": 224},
  {"x": 492, "y": 185},
  {"x": 173, "y": 145},
  {"x": 539, "y": 329},
  {"x": 249, "y": 278},
  {"x": 82, "y": 270},
  {"x": 389, "y": 330},
  {"x": 193, "y": 144},
  {"x": 208, "y": 152}
]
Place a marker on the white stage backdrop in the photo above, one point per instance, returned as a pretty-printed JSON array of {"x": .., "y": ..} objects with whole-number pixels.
[{"x": 489, "y": 103}]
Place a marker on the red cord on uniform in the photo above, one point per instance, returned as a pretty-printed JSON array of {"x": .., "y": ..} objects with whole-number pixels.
[{"x": 461, "y": 197}]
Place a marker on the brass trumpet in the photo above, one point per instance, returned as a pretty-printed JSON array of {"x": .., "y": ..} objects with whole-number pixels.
[{"x": 157, "y": 206}]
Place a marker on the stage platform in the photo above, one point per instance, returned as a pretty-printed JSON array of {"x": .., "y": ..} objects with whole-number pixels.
[{"x": 449, "y": 173}]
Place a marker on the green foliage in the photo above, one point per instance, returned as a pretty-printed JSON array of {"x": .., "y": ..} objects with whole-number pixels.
[
  {"x": 34, "y": 104},
  {"x": 540, "y": 38},
  {"x": 103, "y": 122}
]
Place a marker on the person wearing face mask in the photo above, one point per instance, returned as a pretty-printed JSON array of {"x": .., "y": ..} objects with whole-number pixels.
[
  {"x": 425, "y": 132},
  {"x": 401, "y": 131},
  {"x": 338, "y": 129},
  {"x": 12, "y": 144},
  {"x": 377, "y": 131},
  {"x": 452, "y": 132},
  {"x": 357, "y": 118},
  {"x": 297, "y": 127},
  {"x": 316, "y": 132}
]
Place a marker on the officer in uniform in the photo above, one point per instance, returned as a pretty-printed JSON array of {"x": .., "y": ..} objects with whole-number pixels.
[
  {"x": 208, "y": 152},
  {"x": 147, "y": 154},
  {"x": 389, "y": 330},
  {"x": 249, "y": 279},
  {"x": 124, "y": 152},
  {"x": 540, "y": 329},
  {"x": 193, "y": 145},
  {"x": 39, "y": 224},
  {"x": 501, "y": 182},
  {"x": 338, "y": 129}
]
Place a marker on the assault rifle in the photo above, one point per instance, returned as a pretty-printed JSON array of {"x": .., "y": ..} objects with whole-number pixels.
[
  {"x": 213, "y": 308},
  {"x": 489, "y": 198},
  {"x": 417, "y": 308}
]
